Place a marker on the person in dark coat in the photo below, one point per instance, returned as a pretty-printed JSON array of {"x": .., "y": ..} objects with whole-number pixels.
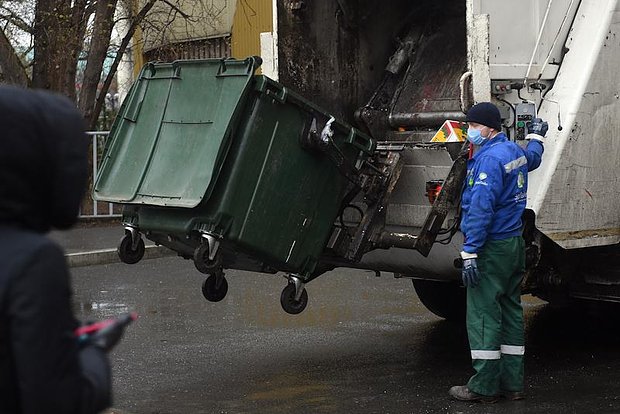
[{"x": 43, "y": 172}]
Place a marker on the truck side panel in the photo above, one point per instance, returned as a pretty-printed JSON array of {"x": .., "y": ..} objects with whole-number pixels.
[{"x": 576, "y": 192}]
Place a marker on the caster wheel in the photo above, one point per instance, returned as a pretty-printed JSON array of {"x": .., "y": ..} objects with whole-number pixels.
[
  {"x": 211, "y": 291},
  {"x": 202, "y": 262},
  {"x": 288, "y": 302},
  {"x": 126, "y": 253}
]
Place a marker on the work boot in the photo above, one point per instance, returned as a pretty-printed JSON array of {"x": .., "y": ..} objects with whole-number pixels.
[
  {"x": 512, "y": 395},
  {"x": 463, "y": 393}
]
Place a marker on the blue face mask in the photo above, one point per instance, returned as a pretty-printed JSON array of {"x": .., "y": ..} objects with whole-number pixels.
[{"x": 475, "y": 136}]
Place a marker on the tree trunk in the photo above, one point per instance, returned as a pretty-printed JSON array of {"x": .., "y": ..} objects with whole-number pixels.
[
  {"x": 42, "y": 50},
  {"x": 12, "y": 69},
  {"x": 99, "y": 45},
  {"x": 58, "y": 37}
]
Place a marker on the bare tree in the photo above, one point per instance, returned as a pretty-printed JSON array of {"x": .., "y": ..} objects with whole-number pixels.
[
  {"x": 135, "y": 21},
  {"x": 15, "y": 18},
  {"x": 12, "y": 69},
  {"x": 99, "y": 45},
  {"x": 59, "y": 28},
  {"x": 64, "y": 32}
]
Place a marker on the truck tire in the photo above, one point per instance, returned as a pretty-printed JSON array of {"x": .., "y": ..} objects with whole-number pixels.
[{"x": 445, "y": 299}]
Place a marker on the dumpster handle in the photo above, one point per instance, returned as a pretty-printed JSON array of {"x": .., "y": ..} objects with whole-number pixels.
[
  {"x": 355, "y": 139},
  {"x": 269, "y": 88},
  {"x": 278, "y": 96},
  {"x": 151, "y": 68},
  {"x": 239, "y": 70}
]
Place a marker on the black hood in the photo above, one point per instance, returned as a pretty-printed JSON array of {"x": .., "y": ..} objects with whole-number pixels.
[{"x": 43, "y": 159}]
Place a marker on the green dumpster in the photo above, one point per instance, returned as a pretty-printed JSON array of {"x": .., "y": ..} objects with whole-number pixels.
[{"x": 224, "y": 166}]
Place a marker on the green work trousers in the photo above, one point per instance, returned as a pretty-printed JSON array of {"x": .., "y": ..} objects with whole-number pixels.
[{"x": 495, "y": 318}]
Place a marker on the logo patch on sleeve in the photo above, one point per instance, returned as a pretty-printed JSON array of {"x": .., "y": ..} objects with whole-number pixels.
[
  {"x": 482, "y": 176},
  {"x": 520, "y": 180}
]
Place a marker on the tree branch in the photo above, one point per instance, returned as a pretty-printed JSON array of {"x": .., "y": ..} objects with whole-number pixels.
[
  {"x": 12, "y": 67},
  {"x": 175, "y": 8},
  {"x": 16, "y": 20},
  {"x": 117, "y": 60},
  {"x": 100, "y": 42}
]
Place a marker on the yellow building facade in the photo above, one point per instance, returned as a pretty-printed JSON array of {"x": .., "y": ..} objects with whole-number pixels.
[
  {"x": 217, "y": 28},
  {"x": 251, "y": 18}
]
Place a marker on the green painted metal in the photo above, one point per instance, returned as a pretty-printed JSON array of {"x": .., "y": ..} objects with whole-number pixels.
[{"x": 272, "y": 200}]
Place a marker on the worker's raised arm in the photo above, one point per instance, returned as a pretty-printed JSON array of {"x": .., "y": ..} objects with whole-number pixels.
[{"x": 537, "y": 129}]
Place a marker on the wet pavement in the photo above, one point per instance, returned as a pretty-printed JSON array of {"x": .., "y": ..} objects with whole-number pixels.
[
  {"x": 363, "y": 345},
  {"x": 90, "y": 236}
]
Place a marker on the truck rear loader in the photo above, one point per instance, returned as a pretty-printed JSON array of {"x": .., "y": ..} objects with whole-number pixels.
[
  {"x": 399, "y": 72},
  {"x": 555, "y": 58}
]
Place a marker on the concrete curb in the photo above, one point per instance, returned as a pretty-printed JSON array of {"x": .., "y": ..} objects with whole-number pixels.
[{"x": 109, "y": 256}]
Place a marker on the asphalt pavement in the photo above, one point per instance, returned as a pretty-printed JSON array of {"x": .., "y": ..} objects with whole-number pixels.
[
  {"x": 365, "y": 344},
  {"x": 89, "y": 236}
]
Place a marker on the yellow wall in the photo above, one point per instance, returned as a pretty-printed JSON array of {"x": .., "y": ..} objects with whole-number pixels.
[
  {"x": 252, "y": 17},
  {"x": 137, "y": 53}
]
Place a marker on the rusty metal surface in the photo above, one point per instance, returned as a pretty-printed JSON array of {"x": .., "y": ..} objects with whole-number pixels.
[
  {"x": 421, "y": 119},
  {"x": 575, "y": 235},
  {"x": 334, "y": 53},
  {"x": 374, "y": 216},
  {"x": 448, "y": 199},
  {"x": 431, "y": 83}
]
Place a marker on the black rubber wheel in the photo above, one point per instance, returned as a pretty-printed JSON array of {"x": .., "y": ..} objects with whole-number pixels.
[
  {"x": 214, "y": 293},
  {"x": 202, "y": 262},
  {"x": 288, "y": 302},
  {"x": 126, "y": 253},
  {"x": 445, "y": 299}
]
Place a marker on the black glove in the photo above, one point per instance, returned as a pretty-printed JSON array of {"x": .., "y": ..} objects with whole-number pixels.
[
  {"x": 538, "y": 127},
  {"x": 470, "y": 273}
]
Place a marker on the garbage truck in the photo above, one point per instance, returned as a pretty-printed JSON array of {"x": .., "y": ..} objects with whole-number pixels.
[{"x": 401, "y": 74}]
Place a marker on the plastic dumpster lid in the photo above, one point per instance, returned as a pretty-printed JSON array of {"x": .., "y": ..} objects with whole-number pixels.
[{"x": 170, "y": 138}]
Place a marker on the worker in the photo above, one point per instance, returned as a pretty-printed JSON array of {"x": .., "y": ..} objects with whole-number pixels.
[
  {"x": 493, "y": 202},
  {"x": 44, "y": 368}
]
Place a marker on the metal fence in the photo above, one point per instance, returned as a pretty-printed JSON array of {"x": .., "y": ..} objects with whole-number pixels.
[{"x": 91, "y": 208}]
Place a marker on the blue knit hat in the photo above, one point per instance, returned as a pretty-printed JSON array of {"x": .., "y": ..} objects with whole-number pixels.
[{"x": 485, "y": 113}]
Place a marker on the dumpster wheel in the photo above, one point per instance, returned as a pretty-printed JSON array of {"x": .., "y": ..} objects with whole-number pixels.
[
  {"x": 288, "y": 301},
  {"x": 215, "y": 287},
  {"x": 202, "y": 261},
  {"x": 126, "y": 251}
]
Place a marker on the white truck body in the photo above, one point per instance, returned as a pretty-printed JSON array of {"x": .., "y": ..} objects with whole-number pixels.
[{"x": 576, "y": 191}]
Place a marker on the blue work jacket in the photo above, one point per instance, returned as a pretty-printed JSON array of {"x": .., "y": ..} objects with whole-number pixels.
[{"x": 495, "y": 191}]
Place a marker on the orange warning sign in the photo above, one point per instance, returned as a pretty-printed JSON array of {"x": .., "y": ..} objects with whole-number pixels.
[{"x": 451, "y": 131}]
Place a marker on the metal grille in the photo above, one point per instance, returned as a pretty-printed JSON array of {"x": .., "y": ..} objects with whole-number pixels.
[{"x": 218, "y": 47}]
